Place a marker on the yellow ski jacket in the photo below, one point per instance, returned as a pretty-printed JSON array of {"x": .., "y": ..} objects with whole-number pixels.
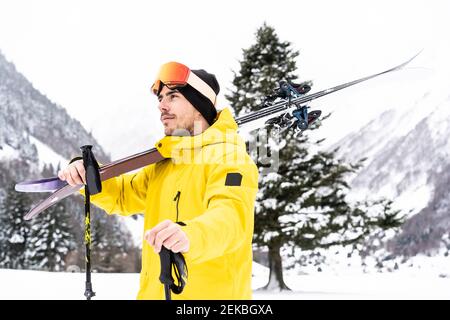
[{"x": 209, "y": 182}]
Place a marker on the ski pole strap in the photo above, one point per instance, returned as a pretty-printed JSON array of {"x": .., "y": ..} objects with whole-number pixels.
[
  {"x": 172, "y": 261},
  {"x": 75, "y": 159}
]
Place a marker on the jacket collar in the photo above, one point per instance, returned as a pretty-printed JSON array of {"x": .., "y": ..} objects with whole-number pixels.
[{"x": 223, "y": 130}]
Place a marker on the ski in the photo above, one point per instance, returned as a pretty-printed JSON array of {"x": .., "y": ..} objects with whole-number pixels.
[
  {"x": 108, "y": 171},
  {"x": 63, "y": 189},
  {"x": 286, "y": 109},
  {"x": 283, "y": 107}
]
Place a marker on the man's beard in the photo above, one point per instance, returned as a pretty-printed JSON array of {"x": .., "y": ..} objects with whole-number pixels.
[
  {"x": 188, "y": 130},
  {"x": 181, "y": 131}
]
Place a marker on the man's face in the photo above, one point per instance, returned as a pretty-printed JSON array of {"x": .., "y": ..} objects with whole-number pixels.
[{"x": 178, "y": 115}]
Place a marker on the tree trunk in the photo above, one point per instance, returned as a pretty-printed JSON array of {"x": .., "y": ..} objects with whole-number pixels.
[{"x": 276, "y": 281}]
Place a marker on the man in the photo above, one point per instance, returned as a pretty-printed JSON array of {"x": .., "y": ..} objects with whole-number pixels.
[{"x": 208, "y": 182}]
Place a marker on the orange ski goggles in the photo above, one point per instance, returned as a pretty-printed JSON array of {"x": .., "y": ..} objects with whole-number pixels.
[{"x": 175, "y": 74}]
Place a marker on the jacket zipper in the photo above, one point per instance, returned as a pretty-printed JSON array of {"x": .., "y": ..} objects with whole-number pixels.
[{"x": 177, "y": 199}]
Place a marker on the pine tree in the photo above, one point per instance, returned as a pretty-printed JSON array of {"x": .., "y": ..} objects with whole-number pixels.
[
  {"x": 14, "y": 231},
  {"x": 51, "y": 236},
  {"x": 51, "y": 239},
  {"x": 113, "y": 249},
  {"x": 302, "y": 203},
  {"x": 265, "y": 63}
]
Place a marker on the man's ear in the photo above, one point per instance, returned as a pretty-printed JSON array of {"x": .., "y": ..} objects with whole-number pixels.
[{"x": 197, "y": 115}]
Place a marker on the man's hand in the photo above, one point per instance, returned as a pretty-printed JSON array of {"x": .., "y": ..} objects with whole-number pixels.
[
  {"x": 74, "y": 173},
  {"x": 167, "y": 234}
]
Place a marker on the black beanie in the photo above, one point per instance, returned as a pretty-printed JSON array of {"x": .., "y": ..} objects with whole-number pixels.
[{"x": 198, "y": 100}]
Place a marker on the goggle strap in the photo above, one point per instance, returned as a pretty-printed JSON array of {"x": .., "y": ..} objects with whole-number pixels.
[{"x": 202, "y": 87}]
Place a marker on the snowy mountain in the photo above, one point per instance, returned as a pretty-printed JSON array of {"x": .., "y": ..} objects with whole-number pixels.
[
  {"x": 32, "y": 126},
  {"x": 407, "y": 149},
  {"x": 34, "y": 134}
]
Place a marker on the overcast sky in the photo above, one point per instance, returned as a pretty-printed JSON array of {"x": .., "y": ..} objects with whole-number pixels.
[{"x": 98, "y": 58}]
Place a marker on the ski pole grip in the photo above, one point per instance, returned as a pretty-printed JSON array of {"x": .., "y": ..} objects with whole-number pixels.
[
  {"x": 94, "y": 184},
  {"x": 166, "y": 269}
]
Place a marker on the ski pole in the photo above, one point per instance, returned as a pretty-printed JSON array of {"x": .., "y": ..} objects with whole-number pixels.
[
  {"x": 172, "y": 261},
  {"x": 88, "y": 293},
  {"x": 166, "y": 271},
  {"x": 93, "y": 186}
]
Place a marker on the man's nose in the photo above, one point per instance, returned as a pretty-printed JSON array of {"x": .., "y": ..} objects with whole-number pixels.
[{"x": 163, "y": 105}]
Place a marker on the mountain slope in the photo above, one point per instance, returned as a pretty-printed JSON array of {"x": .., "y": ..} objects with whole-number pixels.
[
  {"x": 35, "y": 132},
  {"x": 407, "y": 151},
  {"x": 25, "y": 113}
]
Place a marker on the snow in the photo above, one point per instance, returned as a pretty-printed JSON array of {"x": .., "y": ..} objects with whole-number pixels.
[
  {"x": 40, "y": 285},
  {"x": 422, "y": 278},
  {"x": 47, "y": 155},
  {"x": 361, "y": 287},
  {"x": 17, "y": 238},
  {"x": 7, "y": 152},
  {"x": 414, "y": 199},
  {"x": 421, "y": 105},
  {"x": 439, "y": 122}
]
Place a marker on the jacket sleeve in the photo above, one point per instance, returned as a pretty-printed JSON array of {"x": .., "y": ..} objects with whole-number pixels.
[
  {"x": 228, "y": 220},
  {"x": 124, "y": 195}
]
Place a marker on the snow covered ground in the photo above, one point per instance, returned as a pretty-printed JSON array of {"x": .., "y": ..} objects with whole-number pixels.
[{"x": 421, "y": 283}]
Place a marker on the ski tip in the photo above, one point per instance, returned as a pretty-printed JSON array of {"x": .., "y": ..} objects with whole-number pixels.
[
  {"x": 33, "y": 213},
  {"x": 411, "y": 59},
  {"x": 43, "y": 185},
  {"x": 417, "y": 54},
  {"x": 28, "y": 216},
  {"x": 21, "y": 187}
]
